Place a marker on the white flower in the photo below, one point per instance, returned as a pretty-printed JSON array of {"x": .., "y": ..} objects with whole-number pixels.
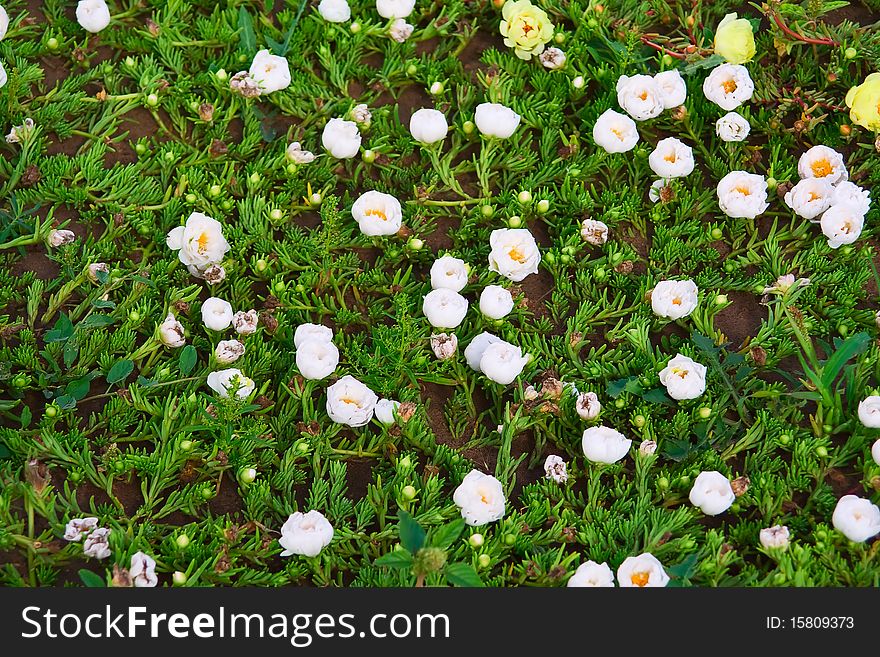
[
  {"x": 850, "y": 193},
  {"x": 502, "y": 362},
  {"x": 842, "y": 224},
  {"x": 810, "y": 197},
  {"x": 647, "y": 447},
  {"x": 61, "y": 237},
  {"x": 856, "y": 518},
  {"x": 684, "y": 378},
  {"x": 306, "y": 534},
  {"x": 400, "y": 30},
  {"x": 385, "y": 409},
  {"x": 784, "y": 283},
  {"x": 361, "y": 115},
  {"x": 875, "y": 451},
  {"x": 225, "y": 381},
  {"x": 552, "y": 58},
  {"x": 444, "y": 308},
  {"x": 674, "y": 299},
  {"x": 143, "y": 570},
  {"x": 306, "y": 332},
  {"x": 19, "y": 132},
  {"x": 673, "y": 90},
  {"x": 3, "y": 77},
  {"x": 97, "y": 544},
  {"x": 822, "y": 162},
  {"x": 93, "y": 15},
  {"x": 428, "y": 126},
  {"x": 642, "y": 571},
  {"x": 473, "y": 353},
  {"x": 587, "y": 406},
  {"x": 317, "y": 359},
  {"x": 395, "y": 8},
  {"x": 4, "y": 22},
  {"x": 592, "y": 574},
  {"x": 350, "y": 402},
  {"x": 777, "y": 536},
  {"x": 334, "y": 11},
  {"x": 514, "y": 253},
  {"x": 496, "y": 120},
  {"x": 216, "y": 314},
  {"x": 480, "y": 498},
  {"x": 444, "y": 345},
  {"x": 615, "y": 132},
  {"x": 245, "y": 323},
  {"x": 79, "y": 527},
  {"x": 671, "y": 159},
  {"x": 199, "y": 242},
  {"x": 604, "y": 445},
  {"x": 639, "y": 96},
  {"x": 869, "y": 412},
  {"x": 297, "y": 155},
  {"x": 171, "y": 332},
  {"x": 555, "y": 469},
  {"x": 712, "y": 493},
  {"x": 270, "y": 72},
  {"x": 495, "y": 302},
  {"x": 450, "y": 273},
  {"x": 728, "y": 86},
  {"x": 732, "y": 127},
  {"x": 742, "y": 195},
  {"x": 341, "y": 138},
  {"x": 228, "y": 351},
  {"x": 377, "y": 213},
  {"x": 594, "y": 232}
]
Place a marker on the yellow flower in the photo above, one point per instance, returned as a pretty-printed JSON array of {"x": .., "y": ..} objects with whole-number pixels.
[
  {"x": 525, "y": 28},
  {"x": 734, "y": 40},
  {"x": 864, "y": 103}
]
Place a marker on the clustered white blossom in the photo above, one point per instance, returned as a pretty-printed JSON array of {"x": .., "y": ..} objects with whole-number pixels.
[
  {"x": 642, "y": 571},
  {"x": 95, "y": 540}
]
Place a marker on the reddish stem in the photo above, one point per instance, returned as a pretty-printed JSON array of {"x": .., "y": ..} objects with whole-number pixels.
[
  {"x": 665, "y": 51},
  {"x": 800, "y": 37}
]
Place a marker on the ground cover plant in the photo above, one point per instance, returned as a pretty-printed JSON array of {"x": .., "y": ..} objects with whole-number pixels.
[{"x": 466, "y": 293}]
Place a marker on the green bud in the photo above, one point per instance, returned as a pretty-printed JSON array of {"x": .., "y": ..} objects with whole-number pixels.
[
  {"x": 152, "y": 100},
  {"x": 619, "y": 402},
  {"x": 51, "y": 410},
  {"x": 262, "y": 265},
  {"x": 487, "y": 211},
  {"x": 190, "y": 198},
  {"x": 355, "y": 27},
  {"x": 178, "y": 578},
  {"x": 415, "y": 244},
  {"x": 299, "y": 288},
  {"x": 411, "y": 70},
  {"x": 705, "y": 412},
  {"x": 254, "y": 178},
  {"x": 186, "y": 445},
  {"x": 476, "y": 540},
  {"x": 468, "y": 127},
  {"x": 182, "y": 541},
  {"x": 134, "y": 316},
  {"x": 717, "y": 233},
  {"x": 437, "y": 88},
  {"x": 515, "y": 221},
  {"x": 524, "y": 197},
  {"x": 215, "y": 190},
  {"x": 19, "y": 381},
  {"x": 429, "y": 560},
  {"x": 663, "y": 483},
  {"x": 484, "y": 560},
  {"x": 276, "y": 214},
  {"x": 667, "y": 60},
  {"x": 822, "y": 451},
  {"x": 509, "y": 539},
  {"x": 408, "y": 493},
  {"x": 226, "y": 204},
  {"x": 52, "y": 43},
  {"x": 543, "y": 206},
  {"x": 280, "y": 286},
  {"x": 639, "y": 421},
  {"x": 368, "y": 156},
  {"x": 720, "y": 299},
  {"x": 222, "y": 75},
  {"x": 850, "y": 53},
  {"x": 140, "y": 149}
]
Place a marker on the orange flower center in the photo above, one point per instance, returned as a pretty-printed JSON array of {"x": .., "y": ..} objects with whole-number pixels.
[
  {"x": 742, "y": 189},
  {"x": 670, "y": 158},
  {"x": 814, "y": 196},
  {"x": 821, "y": 168},
  {"x": 377, "y": 213},
  {"x": 526, "y": 28},
  {"x": 729, "y": 86},
  {"x": 617, "y": 133},
  {"x": 639, "y": 579},
  {"x": 202, "y": 241},
  {"x": 517, "y": 255}
]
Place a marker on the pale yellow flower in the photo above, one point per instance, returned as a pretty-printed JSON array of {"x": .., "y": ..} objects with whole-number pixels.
[
  {"x": 734, "y": 40},
  {"x": 525, "y": 28},
  {"x": 864, "y": 103}
]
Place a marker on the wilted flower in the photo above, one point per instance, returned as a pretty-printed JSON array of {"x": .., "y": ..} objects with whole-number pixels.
[
  {"x": 555, "y": 469},
  {"x": 212, "y": 275},
  {"x": 444, "y": 345},
  {"x": 61, "y": 237},
  {"x": 350, "y": 402},
  {"x": 552, "y": 58},
  {"x": 480, "y": 498},
  {"x": 495, "y": 302},
  {"x": 450, "y": 273},
  {"x": 96, "y": 267},
  {"x": 400, "y": 30},
  {"x": 784, "y": 283},
  {"x": 228, "y": 351},
  {"x": 171, "y": 332},
  {"x": 712, "y": 493},
  {"x": 377, "y": 213},
  {"x": 496, "y": 120},
  {"x": 223, "y": 382},
  {"x": 245, "y": 323},
  {"x": 19, "y": 132},
  {"x": 604, "y": 445},
  {"x": 728, "y": 86},
  {"x": 514, "y": 253},
  {"x": 93, "y": 15},
  {"x": 77, "y": 528},
  {"x": 643, "y": 571},
  {"x": 361, "y": 115},
  {"x": 341, "y": 138},
  {"x": 297, "y": 155},
  {"x": 97, "y": 544},
  {"x": 271, "y": 72},
  {"x": 647, "y": 447},
  {"x": 444, "y": 308},
  {"x": 856, "y": 518},
  {"x": 594, "y": 232},
  {"x": 615, "y": 132},
  {"x": 775, "y": 537},
  {"x": 305, "y": 534},
  {"x": 587, "y": 406},
  {"x": 684, "y": 378},
  {"x": 242, "y": 83},
  {"x": 143, "y": 570}
]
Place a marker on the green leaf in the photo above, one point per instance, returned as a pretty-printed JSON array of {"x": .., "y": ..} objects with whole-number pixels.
[
  {"x": 92, "y": 580},
  {"x": 614, "y": 388},
  {"x": 462, "y": 574},
  {"x": 96, "y": 321},
  {"x": 187, "y": 360},
  {"x": 247, "y": 38},
  {"x": 103, "y": 305},
  {"x": 850, "y": 348},
  {"x": 65, "y": 402},
  {"x": 412, "y": 536},
  {"x": 78, "y": 388},
  {"x": 62, "y": 330},
  {"x": 396, "y": 559},
  {"x": 71, "y": 350},
  {"x": 446, "y": 535},
  {"x": 26, "y": 417},
  {"x": 120, "y": 371}
]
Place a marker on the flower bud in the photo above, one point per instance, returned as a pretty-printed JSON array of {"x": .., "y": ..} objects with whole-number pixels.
[
  {"x": 578, "y": 82},
  {"x": 247, "y": 475},
  {"x": 524, "y": 197},
  {"x": 415, "y": 244},
  {"x": 276, "y": 214},
  {"x": 515, "y": 221},
  {"x": 315, "y": 200},
  {"x": 178, "y": 578},
  {"x": 182, "y": 541},
  {"x": 436, "y": 88},
  {"x": 186, "y": 445},
  {"x": 468, "y": 127},
  {"x": 484, "y": 560},
  {"x": 152, "y": 100},
  {"x": 408, "y": 493},
  {"x": 850, "y": 53},
  {"x": 476, "y": 540},
  {"x": 543, "y": 206},
  {"x": 355, "y": 27}
]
